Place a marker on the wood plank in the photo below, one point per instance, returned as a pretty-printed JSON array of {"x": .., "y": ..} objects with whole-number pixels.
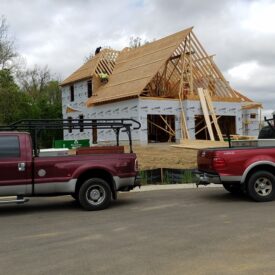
[
  {"x": 138, "y": 66},
  {"x": 212, "y": 113},
  {"x": 167, "y": 124},
  {"x": 145, "y": 54},
  {"x": 205, "y": 63},
  {"x": 184, "y": 129},
  {"x": 205, "y": 113},
  {"x": 156, "y": 125},
  {"x": 214, "y": 69},
  {"x": 200, "y": 144},
  {"x": 205, "y": 126}
]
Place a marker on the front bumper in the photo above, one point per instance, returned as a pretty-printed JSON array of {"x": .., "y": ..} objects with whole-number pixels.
[{"x": 206, "y": 178}]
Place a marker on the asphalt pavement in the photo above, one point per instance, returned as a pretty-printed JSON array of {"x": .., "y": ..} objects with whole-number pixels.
[{"x": 173, "y": 231}]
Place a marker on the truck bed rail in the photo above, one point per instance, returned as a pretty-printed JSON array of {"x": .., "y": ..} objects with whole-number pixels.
[{"x": 35, "y": 126}]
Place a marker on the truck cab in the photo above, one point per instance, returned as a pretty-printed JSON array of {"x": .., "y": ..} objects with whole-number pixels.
[{"x": 92, "y": 176}]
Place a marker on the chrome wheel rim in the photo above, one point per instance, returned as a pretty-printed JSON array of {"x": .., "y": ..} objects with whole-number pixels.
[
  {"x": 95, "y": 194},
  {"x": 263, "y": 186}
]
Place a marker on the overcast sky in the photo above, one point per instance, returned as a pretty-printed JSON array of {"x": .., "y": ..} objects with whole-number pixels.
[{"x": 60, "y": 33}]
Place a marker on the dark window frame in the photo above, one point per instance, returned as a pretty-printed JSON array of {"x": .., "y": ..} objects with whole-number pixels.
[
  {"x": 89, "y": 88},
  {"x": 72, "y": 93},
  {"x": 253, "y": 116}
]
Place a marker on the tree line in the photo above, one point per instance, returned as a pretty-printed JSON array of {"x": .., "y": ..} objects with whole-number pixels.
[{"x": 25, "y": 93}]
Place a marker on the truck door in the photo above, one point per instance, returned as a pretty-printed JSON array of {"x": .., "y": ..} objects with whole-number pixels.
[{"x": 13, "y": 165}]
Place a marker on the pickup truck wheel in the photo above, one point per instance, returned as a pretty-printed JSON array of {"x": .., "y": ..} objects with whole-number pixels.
[
  {"x": 261, "y": 186},
  {"x": 95, "y": 194},
  {"x": 233, "y": 188}
]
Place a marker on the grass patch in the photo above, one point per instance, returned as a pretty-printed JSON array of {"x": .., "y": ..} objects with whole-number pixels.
[{"x": 143, "y": 177}]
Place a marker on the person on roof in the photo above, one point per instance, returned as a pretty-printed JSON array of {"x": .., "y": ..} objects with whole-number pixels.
[
  {"x": 104, "y": 77},
  {"x": 97, "y": 50}
]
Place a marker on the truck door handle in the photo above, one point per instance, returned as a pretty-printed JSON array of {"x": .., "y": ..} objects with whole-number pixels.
[{"x": 21, "y": 166}]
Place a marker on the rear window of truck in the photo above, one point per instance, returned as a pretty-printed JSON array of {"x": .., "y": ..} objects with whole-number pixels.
[{"x": 9, "y": 146}]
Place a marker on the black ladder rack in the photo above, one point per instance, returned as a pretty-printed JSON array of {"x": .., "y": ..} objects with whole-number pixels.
[
  {"x": 34, "y": 126},
  {"x": 270, "y": 122}
]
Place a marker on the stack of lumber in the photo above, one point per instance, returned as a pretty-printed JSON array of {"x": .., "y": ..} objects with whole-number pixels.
[{"x": 200, "y": 144}]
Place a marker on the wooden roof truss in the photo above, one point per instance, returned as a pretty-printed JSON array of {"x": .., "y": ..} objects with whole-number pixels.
[
  {"x": 106, "y": 62},
  {"x": 190, "y": 64},
  {"x": 176, "y": 67}
]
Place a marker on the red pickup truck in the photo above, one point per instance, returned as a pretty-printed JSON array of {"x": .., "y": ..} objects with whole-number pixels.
[
  {"x": 92, "y": 179},
  {"x": 250, "y": 170},
  {"x": 246, "y": 166}
]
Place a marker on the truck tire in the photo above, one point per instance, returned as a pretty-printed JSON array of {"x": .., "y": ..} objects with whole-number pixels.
[
  {"x": 261, "y": 186},
  {"x": 235, "y": 189},
  {"x": 94, "y": 194}
]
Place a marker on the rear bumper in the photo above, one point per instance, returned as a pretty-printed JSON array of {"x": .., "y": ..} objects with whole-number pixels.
[
  {"x": 206, "y": 178},
  {"x": 126, "y": 184}
]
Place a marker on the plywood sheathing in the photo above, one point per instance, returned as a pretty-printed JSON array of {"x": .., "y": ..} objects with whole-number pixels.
[
  {"x": 70, "y": 109},
  {"x": 84, "y": 72},
  {"x": 104, "y": 61},
  {"x": 252, "y": 105},
  {"x": 200, "y": 144},
  {"x": 135, "y": 68},
  {"x": 156, "y": 69}
]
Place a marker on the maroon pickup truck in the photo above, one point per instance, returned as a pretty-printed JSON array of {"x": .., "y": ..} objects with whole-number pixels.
[
  {"x": 242, "y": 169},
  {"x": 247, "y": 166},
  {"x": 92, "y": 179}
]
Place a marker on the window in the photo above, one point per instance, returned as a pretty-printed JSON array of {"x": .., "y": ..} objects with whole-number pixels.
[
  {"x": 81, "y": 127},
  {"x": 72, "y": 92},
  {"x": 9, "y": 146},
  {"x": 90, "y": 88},
  {"x": 70, "y": 124},
  {"x": 253, "y": 116}
]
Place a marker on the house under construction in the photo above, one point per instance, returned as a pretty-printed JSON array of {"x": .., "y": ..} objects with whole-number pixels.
[{"x": 171, "y": 86}]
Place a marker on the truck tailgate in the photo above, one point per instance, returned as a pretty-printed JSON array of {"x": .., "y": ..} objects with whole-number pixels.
[{"x": 205, "y": 160}]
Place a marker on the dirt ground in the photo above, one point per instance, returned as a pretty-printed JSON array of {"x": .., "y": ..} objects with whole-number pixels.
[{"x": 163, "y": 155}]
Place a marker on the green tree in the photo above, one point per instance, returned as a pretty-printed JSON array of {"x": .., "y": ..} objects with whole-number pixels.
[
  {"x": 44, "y": 91},
  {"x": 14, "y": 104},
  {"x": 33, "y": 81},
  {"x": 45, "y": 94}
]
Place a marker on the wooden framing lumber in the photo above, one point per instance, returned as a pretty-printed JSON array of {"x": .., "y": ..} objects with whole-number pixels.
[
  {"x": 184, "y": 129},
  {"x": 156, "y": 125},
  {"x": 167, "y": 124},
  {"x": 205, "y": 113},
  {"x": 205, "y": 126},
  {"x": 212, "y": 113}
]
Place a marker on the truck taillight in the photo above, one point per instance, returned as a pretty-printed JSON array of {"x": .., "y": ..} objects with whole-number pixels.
[
  {"x": 136, "y": 165},
  {"x": 218, "y": 162}
]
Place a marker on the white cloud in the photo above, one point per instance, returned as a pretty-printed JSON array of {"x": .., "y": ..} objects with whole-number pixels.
[
  {"x": 244, "y": 71},
  {"x": 260, "y": 17}
]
